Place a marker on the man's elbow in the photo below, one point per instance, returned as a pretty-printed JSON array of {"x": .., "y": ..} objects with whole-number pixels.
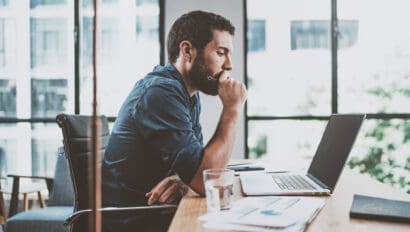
[{"x": 198, "y": 188}]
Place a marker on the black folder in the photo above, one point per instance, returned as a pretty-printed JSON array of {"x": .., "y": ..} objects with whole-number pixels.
[{"x": 367, "y": 207}]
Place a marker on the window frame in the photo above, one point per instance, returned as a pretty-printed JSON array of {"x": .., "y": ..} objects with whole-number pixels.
[
  {"x": 75, "y": 71},
  {"x": 77, "y": 65},
  {"x": 334, "y": 32}
]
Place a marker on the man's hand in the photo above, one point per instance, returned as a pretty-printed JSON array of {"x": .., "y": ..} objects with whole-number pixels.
[
  {"x": 231, "y": 92},
  {"x": 169, "y": 190}
]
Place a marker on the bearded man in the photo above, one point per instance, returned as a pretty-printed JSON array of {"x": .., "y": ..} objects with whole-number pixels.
[{"x": 156, "y": 146}]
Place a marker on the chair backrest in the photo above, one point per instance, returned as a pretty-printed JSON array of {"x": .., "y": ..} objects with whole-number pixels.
[
  {"x": 77, "y": 144},
  {"x": 62, "y": 193}
]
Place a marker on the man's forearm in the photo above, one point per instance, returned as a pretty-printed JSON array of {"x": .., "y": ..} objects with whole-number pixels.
[{"x": 218, "y": 150}]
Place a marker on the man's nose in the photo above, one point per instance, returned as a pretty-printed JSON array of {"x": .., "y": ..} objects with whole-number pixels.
[{"x": 227, "y": 64}]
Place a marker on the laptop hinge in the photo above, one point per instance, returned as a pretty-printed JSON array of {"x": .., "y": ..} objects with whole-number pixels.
[{"x": 320, "y": 183}]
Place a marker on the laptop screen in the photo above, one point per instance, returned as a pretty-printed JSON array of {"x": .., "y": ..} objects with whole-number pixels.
[{"x": 334, "y": 148}]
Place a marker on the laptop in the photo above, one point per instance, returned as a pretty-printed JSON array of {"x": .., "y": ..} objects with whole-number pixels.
[{"x": 325, "y": 168}]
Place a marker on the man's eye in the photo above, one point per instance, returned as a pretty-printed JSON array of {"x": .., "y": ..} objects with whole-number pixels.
[{"x": 220, "y": 53}]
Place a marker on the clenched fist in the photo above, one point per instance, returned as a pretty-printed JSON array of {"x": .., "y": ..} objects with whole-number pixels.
[{"x": 231, "y": 92}]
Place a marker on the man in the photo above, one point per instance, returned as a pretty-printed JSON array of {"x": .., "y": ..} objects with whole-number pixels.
[{"x": 157, "y": 137}]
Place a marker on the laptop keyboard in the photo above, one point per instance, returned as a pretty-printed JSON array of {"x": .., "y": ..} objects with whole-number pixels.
[{"x": 291, "y": 182}]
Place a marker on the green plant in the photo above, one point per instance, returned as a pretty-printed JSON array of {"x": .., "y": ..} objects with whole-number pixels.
[
  {"x": 260, "y": 147},
  {"x": 384, "y": 159}
]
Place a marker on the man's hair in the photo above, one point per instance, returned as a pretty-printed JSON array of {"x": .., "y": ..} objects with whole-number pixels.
[{"x": 196, "y": 27}]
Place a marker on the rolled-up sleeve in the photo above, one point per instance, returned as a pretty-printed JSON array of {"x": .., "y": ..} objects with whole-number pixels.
[{"x": 164, "y": 120}]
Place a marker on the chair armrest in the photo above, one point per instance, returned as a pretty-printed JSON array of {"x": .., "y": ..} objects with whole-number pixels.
[
  {"x": 49, "y": 180},
  {"x": 31, "y": 177},
  {"x": 16, "y": 190},
  {"x": 109, "y": 210}
]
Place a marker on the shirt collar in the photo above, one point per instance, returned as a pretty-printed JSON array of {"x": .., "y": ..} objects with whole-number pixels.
[
  {"x": 176, "y": 75},
  {"x": 173, "y": 71}
]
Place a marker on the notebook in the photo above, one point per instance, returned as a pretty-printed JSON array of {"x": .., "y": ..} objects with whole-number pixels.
[
  {"x": 375, "y": 208},
  {"x": 325, "y": 168}
]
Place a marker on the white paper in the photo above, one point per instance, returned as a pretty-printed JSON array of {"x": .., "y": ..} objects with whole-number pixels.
[
  {"x": 275, "y": 212},
  {"x": 238, "y": 227}
]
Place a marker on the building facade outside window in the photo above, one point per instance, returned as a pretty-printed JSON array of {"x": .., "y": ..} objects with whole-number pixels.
[
  {"x": 37, "y": 70},
  {"x": 373, "y": 77},
  {"x": 256, "y": 35},
  {"x": 4, "y": 2},
  {"x": 2, "y": 45},
  {"x": 315, "y": 34}
]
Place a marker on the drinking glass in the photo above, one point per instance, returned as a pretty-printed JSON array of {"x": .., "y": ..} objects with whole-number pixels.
[{"x": 218, "y": 188}]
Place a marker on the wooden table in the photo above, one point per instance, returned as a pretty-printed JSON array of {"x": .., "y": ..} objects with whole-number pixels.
[{"x": 333, "y": 217}]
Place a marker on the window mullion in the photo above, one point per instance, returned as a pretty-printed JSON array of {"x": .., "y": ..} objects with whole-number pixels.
[{"x": 334, "y": 45}]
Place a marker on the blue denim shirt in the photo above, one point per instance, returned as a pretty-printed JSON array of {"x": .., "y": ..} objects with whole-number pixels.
[{"x": 156, "y": 134}]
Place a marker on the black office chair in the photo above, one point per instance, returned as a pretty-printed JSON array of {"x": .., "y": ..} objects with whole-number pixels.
[{"x": 77, "y": 140}]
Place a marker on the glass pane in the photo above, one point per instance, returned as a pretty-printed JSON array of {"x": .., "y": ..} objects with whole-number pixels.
[
  {"x": 2, "y": 44},
  {"x": 89, "y": 3},
  {"x": 110, "y": 126},
  {"x": 52, "y": 58},
  {"x": 48, "y": 42},
  {"x": 29, "y": 149},
  {"x": 128, "y": 49},
  {"x": 8, "y": 44},
  {"x": 36, "y": 80},
  {"x": 4, "y": 2},
  {"x": 285, "y": 144},
  {"x": 8, "y": 149},
  {"x": 16, "y": 147},
  {"x": 288, "y": 57},
  {"x": 382, "y": 150},
  {"x": 142, "y": 2},
  {"x": 374, "y": 71},
  {"x": 14, "y": 58},
  {"x": 48, "y": 97},
  {"x": 7, "y": 98},
  {"x": 35, "y": 3},
  {"x": 45, "y": 141}
]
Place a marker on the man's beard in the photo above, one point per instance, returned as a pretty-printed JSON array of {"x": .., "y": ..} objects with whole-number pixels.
[{"x": 198, "y": 76}]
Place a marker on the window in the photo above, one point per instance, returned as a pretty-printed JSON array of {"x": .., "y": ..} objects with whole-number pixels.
[
  {"x": 7, "y": 98},
  {"x": 126, "y": 52},
  {"x": 8, "y": 147},
  {"x": 310, "y": 34},
  {"x": 149, "y": 2},
  {"x": 256, "y": 35},
  {"x": 89, "y": 3},
  {"x": 87, "y": 45},
  {"x": 48, "y": 42},
  {"x": 2, "y": 45},
  {"x": 4, "y": 2},
  {"x": 37, "y": 77},
  {"x": 296, "y": 82},
  {"x": 34, "y": 3},
  {"x": 45, "y": 138},
  {"x": 348, "y": 32},
  {"x": 290, "y": 101},
  {"x": 48, "y": 97},
  {"x": 147, "y": 27}
]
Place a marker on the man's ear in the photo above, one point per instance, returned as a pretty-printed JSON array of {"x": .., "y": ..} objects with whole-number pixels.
[{"x": 186, "y": 50}]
